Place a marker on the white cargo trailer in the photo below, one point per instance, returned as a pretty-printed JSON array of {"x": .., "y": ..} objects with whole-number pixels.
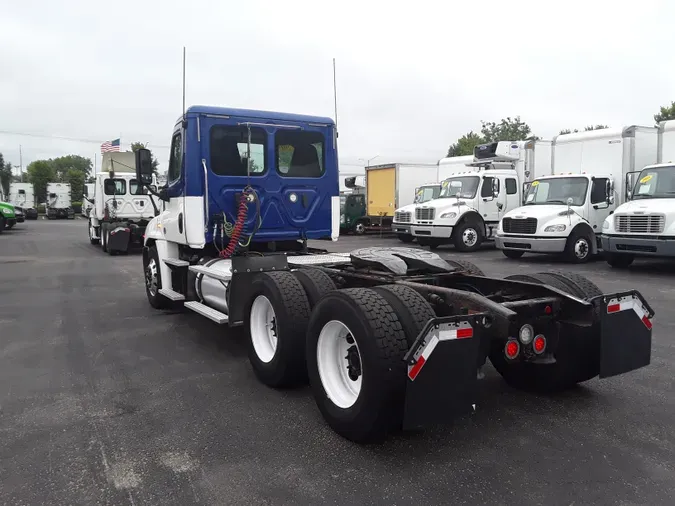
[
  {"x": 22, "y": 197},
  {"x": 564, "y": 212},
  {"x": 58, "y": 202},
  {"x": 667, "y": 142}
]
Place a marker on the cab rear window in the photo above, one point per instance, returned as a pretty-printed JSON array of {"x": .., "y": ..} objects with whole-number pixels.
[{"x": 299, "y": 153}]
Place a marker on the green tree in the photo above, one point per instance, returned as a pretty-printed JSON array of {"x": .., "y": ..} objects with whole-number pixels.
[
  {"x": 595, "y": 127},
  {"x": 75, "y": 178},
  {"x": 63, "y": 164},
  {"x": 566, "y": 131},
  {"x": 508, "y": 129},
  {"x": 5, "y": 175},
  {"x": 667, "y": 112},
  {"x": 135, "y": 146},
  {"x": 41, "y": 172},
  {"x": 465, "y": 144}
]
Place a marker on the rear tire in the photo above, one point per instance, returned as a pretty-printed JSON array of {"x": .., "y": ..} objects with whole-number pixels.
[
  {"x": 103, "y": 231},
  {"x": 2, "y": 224},
  {"x": 467, "y": 266},
  {"x": 514, "y": 254},
  {"x": 316, "y": 284},
  {"x": 412, "y": 309},
  {"x": 277, "y": 315},
  {"x": 618, "y": 260},
  {"x": 362, "y": 400},
  {"x": 577, "y": 357}
]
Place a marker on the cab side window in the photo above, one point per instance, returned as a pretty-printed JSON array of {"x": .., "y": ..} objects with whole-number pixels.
[
  {"x": 598, "y": 191},
  {"x": 175, "y": 159},
  {"x": 511, "y": 186},
  {"x": 486, "y": 189}
]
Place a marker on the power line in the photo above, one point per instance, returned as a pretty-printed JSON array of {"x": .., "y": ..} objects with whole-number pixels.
[{"x": 74, "y": 139}]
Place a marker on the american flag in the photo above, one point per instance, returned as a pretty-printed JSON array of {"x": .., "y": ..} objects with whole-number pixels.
[{"x": 110, "y": 146}]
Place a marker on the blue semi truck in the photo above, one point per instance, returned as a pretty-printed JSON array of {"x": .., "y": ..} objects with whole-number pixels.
[{"x": 388, "y": 338}]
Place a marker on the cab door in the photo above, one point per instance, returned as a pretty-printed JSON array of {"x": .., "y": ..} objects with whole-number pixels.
[
  {"x": 173, "y": 216},
  {"x": 488, "y": 203}
]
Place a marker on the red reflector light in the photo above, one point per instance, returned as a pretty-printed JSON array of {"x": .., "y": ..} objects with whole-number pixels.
[
  {"x": 512, "y": 348},
  {"x": 647, "y": 322},
  {"x": 539, "y": 344},
  {"x": 548, "y": 310},
  {"x": 613, "y": 308}
]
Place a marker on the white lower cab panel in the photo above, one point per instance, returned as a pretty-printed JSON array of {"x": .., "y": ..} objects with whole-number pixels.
[{"x": 194, "y": 221}]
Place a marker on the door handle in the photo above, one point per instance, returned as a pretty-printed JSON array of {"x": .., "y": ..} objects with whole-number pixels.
[{"x": 180, "y": 223}]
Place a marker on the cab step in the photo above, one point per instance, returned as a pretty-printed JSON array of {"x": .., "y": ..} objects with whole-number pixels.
[
  {"x": 204, "y": 310},
  {"x": 171, "y": 294},
  {"x": 176, "y": 262},
  {"x": 211, "y": 273}
]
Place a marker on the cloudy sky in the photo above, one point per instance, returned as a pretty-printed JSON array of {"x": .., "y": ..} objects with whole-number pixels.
[{"x": 411, "y": 76}]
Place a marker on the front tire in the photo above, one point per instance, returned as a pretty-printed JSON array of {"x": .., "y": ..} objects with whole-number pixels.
[
  {"x": 514, "y": 254},
  {"x": 359, "y": 228},
  {"x": 406, "y": 238},
  {"x": 277, "y": 316},
  {"x": 2, "y": 224},
  {"x": 355, "y": 349},
  {"x": 618, "y": 260},
  {"x": 92, "y": 239},
  {"x": 153, "y": 280},
  {"x": 579, "y": 248},
  {"x": 467, "y": 237}
]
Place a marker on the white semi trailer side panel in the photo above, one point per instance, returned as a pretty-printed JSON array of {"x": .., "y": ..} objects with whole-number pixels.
[{"x": 666, "y": 141}]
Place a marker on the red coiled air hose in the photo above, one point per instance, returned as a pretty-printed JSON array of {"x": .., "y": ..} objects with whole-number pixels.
[{"x": 238, "y": 228}]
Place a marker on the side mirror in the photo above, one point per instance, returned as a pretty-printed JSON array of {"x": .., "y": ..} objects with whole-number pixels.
[
  {"x": 609, "y": 190},
  {"x": 143, "y": 165},
  {"x": 570, "y": 202},
  {"x": 495, "y": 188}
]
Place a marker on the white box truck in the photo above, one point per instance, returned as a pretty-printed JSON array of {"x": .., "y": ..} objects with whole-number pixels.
[
  {"x": 563, "y": 213},
  {"x": 472, "y": 202},
  {"x": 22, "y": 197},
  {"x": 58, "y": 201},
  {"x": 645, "y": 224}
]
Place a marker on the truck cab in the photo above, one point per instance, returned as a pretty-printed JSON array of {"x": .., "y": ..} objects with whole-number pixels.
[
  {"x": 403, "y": 215},
  {"x": 58, "y": 201},
  {"x": 562, "y": 214},
  {"x": 645, "y": 225},
  {"x": 471, "y": 203},
  {"x": 353, "y": 206}
]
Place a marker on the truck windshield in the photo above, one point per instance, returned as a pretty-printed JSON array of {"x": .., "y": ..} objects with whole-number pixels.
[
  {"x": 557, "y": 191},
  {"x": 656, "y": 183},
  {"x": 464, "y": 187},
  {"x": 427, "y": 193}
]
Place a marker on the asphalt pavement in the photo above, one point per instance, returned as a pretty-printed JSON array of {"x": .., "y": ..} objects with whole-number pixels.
[{"x": 104, "y": 400}]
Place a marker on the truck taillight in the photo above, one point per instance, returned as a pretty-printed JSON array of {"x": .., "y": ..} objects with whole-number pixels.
[
  {"x": 511, "y": 349},
  {"x": 539, "y": 344}
]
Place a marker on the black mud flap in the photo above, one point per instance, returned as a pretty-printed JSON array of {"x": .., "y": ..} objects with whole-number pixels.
[
  {"x": 442, "y": 371},
  {"x": 118, "y": 239},
  {"x": 626, "y": 333}
]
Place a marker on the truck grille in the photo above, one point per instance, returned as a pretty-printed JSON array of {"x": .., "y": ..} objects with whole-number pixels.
[
  {"x": 402, "y": 217},
  {"x": 640, "y": 224},
  {"x": 520, "y": 226},
  {"x": 425, "y": 213}
]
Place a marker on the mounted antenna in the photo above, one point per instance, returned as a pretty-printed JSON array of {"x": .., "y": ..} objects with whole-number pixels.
[
  {"x": 183, "y": 83},
  {"x": 335, "y": 94}
]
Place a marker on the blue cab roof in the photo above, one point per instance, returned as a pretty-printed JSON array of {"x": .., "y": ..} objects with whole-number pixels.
[{"x": 263, "y": 115}]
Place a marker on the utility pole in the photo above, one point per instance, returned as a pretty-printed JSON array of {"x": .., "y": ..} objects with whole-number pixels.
[{"x": 21, "y": 163}]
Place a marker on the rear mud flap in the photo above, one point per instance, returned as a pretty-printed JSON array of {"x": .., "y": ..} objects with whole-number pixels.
[
  {"x": 626, "y": 333},
  {"x": 442, "y": 371},
  {"x": 118, "y": 239}
]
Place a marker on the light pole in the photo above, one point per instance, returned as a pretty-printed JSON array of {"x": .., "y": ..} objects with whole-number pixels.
[{"x": 368, "y": 160}]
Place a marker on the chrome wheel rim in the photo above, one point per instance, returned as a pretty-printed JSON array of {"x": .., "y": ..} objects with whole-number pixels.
[
  {"x": 470, "y": 237},
  {"x": 151, "y": 277},
  {"x": 581, "y": 248}
]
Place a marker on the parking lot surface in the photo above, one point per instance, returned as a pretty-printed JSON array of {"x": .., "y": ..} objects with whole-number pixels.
[{"x": 104, "y": 400}]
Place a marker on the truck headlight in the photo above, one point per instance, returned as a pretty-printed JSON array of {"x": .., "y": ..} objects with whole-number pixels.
[
  {"x": 6, "y": 210},
  {"x": 605, "y": 225},
  {"x": 555, "y": 228},
  {"x": 449, "y": 215},
  {"x": 342, "y": 218}
]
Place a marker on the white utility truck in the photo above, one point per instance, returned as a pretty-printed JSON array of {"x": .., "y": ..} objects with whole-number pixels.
[
  {"x": 121, "y": 207},
  {"x": 564, "y": 212},
  {"x": 58, "y": 202},
  {"x": 22, "y": 197},
  {"x": 645, "y": 224},
  {"x": 86, "y": 203},
  {"x": 471, "y": 202}
]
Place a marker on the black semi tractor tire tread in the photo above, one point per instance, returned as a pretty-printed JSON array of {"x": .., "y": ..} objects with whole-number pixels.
[
  {"x": 585, "y": 285},
  {"x": 158, "y": 301},
  {"x": 526, "y": 278},
  {"x": 316, "y": 284},
  {"x": 561, "y": 284},
  {"x": 382, "y": 344},
  {"x": 292, "y": 310},
  {"x": 412, "y": 309},
  {"x": 469, "y": 267}
]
